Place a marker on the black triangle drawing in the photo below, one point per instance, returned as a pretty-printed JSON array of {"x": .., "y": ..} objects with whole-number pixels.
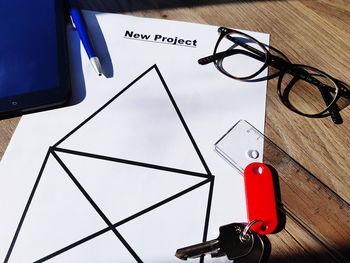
[
  {"x": 204, "y": 175},
  {"x": 137, "y": 124}
]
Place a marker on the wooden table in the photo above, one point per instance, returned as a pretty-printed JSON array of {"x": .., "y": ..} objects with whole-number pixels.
[{"x": 315, "y": 33}]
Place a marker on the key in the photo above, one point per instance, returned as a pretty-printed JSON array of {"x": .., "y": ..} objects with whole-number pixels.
[
  {"x": 230, "y": 243},
  {"x": 256, "y": 253}
]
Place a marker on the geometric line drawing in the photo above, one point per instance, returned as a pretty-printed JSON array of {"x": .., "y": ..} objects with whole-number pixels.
[{"x": 182, "y": 181}]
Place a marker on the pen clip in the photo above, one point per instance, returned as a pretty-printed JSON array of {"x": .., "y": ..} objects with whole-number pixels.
[{"x": 72, "y": 21}]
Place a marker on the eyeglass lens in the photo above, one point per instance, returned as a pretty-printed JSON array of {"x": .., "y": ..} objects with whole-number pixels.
[
  {"x": 307, "y": 90},
  {"x": 239, "y": 47}
]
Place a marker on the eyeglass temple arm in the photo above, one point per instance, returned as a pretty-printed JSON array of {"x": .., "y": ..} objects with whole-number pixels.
[
  {"x": 274, "y": 61},
  {"x": 307, "y": 77},
  {"x": 242, "y": 44},
  {"x": 227, "y": 53}
]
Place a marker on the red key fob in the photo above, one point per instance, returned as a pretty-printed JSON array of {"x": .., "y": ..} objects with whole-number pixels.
[{"x": 260, "y": 198}]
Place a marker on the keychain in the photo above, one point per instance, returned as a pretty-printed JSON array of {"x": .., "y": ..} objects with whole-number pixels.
[
  {"x": 244, "y": 242},
  {"x": 260, "y": 198}
]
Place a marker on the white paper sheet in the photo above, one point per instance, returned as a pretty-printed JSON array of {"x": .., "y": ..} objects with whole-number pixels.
[{"x": 129, "y": 174}]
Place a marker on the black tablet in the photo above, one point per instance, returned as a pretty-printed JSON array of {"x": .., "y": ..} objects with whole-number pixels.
[{"x": 34, "y": 70}]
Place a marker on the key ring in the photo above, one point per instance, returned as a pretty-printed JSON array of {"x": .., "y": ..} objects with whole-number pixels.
[{"x": 244, "y": 237}]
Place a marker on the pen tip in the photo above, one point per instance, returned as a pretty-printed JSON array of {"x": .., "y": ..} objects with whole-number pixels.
[{"x": 95, "y": 62}]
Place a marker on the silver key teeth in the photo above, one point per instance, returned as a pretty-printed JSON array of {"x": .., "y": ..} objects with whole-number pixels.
[
  {"x": 229, "y": 243},
  {"x": 197, "y": 250}
]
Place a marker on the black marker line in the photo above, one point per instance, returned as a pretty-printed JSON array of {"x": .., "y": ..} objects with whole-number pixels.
[
  {"x": 14, "y": 239},
  {"x": 103, "y": 107},
  {"x": 183, "y": 121},
  {"x": 207, "y": 217},
  {"x": 138, "y": 214},
  {"x": 153, "y": 41},
  {"x": 163, "y": 202},
  {"x": 73, "y": 245},
  {"x": 95, "y": 206},
  {"x": 130, "y": 162}
]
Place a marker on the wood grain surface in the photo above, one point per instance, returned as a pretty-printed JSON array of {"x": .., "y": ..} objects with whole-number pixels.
[{"x": 312, "y": 32}]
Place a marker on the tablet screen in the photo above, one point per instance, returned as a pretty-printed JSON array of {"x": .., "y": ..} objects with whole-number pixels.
[{"x": 28, "y": 47}]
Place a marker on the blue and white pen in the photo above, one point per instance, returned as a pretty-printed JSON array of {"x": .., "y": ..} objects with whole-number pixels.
[{"x": 79, "y": 24}]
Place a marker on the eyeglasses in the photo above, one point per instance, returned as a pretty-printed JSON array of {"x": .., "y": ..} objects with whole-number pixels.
[{"x": 305, "y": 90}]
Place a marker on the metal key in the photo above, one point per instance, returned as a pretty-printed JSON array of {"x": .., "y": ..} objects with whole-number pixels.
[
  {"x": 256, "y": 254},
  {"x": 230, "y": 243}
]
